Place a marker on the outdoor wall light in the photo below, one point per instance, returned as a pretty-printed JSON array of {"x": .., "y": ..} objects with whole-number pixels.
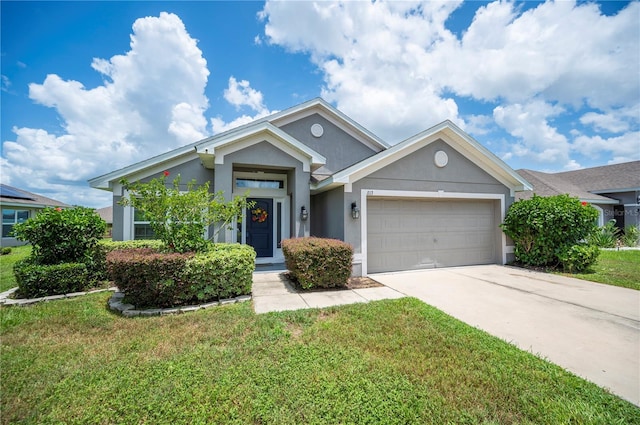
[
  {"x": 355, "y": 211},
  {"x": 304, "y": 214}
]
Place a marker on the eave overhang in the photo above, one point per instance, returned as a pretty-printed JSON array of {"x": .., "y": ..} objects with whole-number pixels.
[{"x": 446, "y": 131}]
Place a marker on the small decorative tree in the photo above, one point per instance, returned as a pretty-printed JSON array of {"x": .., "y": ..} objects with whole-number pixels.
[{"x": 180, "y": 218}]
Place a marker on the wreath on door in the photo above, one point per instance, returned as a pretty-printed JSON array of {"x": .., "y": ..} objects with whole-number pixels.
[{"x": 259, "y": 215}]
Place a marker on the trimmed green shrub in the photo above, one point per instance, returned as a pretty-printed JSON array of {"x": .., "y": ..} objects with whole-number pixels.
[
  {"x": 98, "y": 263},
  {"x": 40, "y": 280},
  {"x": 317, "y": 262},
  {"x": 578, "y": 258},
  {"x": 155, "y": 279},
  {"x": 225, "y": 271},
  {"x": 155, "y": 244},
  {"x": 631, "y": 236},
  {"x": 62, "y": 235},
  {"x": 543, "y": 228},
  {"x": 147, "y": 277}
]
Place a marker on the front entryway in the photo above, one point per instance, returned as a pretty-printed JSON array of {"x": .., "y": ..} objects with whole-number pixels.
[
  {"x": 260, "y": 226},
  {"x": 268, "y": 222}
]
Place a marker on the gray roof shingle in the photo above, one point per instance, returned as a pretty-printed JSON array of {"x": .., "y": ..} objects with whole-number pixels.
[
  {"x": 546, "y": 184},
  {"x": 606, "y": 178},
  {"x": 28, "y": 198}
]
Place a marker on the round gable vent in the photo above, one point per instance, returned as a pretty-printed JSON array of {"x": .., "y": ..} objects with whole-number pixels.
[
  {"x": 441, "y": 159},
  {"x": 317, "y": 130}
]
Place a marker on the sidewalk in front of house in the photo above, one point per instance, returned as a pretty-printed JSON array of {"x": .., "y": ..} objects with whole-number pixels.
[{"x": 272, "y": 291}]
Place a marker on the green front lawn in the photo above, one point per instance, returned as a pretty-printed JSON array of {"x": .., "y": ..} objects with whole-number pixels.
[
  {"x": 618, "y": 268},
  {"x": 396, "y": 361},
  {"x": 7, "y": 279}
]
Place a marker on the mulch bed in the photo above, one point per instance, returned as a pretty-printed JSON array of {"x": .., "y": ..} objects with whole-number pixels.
[
  {"x": 353, "y": 283},
  {"x": 362, "y": 282}
]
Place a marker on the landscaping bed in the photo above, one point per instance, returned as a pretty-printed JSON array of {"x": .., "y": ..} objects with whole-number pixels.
[{"x": 358, "y": 282}]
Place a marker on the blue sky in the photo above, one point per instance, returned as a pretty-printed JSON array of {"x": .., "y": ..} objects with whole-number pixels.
[{"x": 89, "y": 87}]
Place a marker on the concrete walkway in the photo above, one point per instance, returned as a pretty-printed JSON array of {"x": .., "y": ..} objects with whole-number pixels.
[
  {"x": 272, "y": 292},
  {"x": 590, "y": 329}
]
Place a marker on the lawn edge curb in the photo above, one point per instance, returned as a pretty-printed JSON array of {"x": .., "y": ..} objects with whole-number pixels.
[
  {"x": 128, "y": 310},
  {"x": 5, "y": 300}
]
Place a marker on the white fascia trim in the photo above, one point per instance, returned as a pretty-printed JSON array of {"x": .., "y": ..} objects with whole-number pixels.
[
  {"x": 31, "y": 206},
  {"x": 333, "y": 115},
  {"x": 104, "y": 181},
  {"x": 446, "y": 131},
  {"x": 601, "y": 201},
  {"x": 263, "y": 131},
  {"x": 600, "y": 215},
  {"x": 154, "y": 169},
  {"x": 489, "y": 161},
  {"x": 378, "y": 193},
  {"x": 627, "y": 189}
]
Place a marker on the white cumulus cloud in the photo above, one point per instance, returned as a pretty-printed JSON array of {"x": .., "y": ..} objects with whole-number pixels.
[
  {"x": 397, "y": 68},
  {"x": 538, "y": 140},
  {"x": 240, "y": 94},
  {"x": 374, "y": 57},
  {"x": 152, "y": 100},
  {"x": 622, "y": 148}
]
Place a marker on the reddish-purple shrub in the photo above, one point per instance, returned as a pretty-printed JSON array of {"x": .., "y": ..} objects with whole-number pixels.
[{"x": 149, "y": 278}]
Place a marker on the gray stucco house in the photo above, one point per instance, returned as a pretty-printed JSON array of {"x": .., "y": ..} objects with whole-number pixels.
[
  {"x": 614, "y": 190},
  {"x": 435, "y": 199},
  {"x": 18, "y": 206}
]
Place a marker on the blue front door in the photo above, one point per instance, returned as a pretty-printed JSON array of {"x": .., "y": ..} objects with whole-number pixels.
[{"x": 260, "y": 226}]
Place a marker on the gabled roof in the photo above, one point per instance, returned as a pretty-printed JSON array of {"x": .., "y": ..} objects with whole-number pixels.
[
  {"x": 213, "y": 149},
  {"x": 607, "y": 178},
  {"x": 12, "y": 196},
  {"x": 271, "y": 122},
  {"x": 104, "y": 181},
  {"x": 447, "y": 131},
  {"x": 545, "y": 184},
  {"x": 324, "y": 108}
]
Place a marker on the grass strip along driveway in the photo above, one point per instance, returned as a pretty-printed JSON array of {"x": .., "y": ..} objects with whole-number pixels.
[
  {"x": 397, "y": 361},
  {"x": 618, "y": 268}
]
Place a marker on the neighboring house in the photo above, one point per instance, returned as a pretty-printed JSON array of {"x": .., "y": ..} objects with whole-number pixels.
[
  {"x": 614, "y": 190},
  {"x": 433, "y": 200},
  {"x": 19, "y": 205},
  {"x": 106, "y": 214}
]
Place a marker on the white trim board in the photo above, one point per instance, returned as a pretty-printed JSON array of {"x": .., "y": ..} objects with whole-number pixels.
[
  {"x": 334, "y": 116},
  {"x": 365, "y": 194},
  {"x": 450, "y": 134}
]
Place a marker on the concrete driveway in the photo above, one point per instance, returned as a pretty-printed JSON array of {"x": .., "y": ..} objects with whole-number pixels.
[{"x": 590, "y": 329}]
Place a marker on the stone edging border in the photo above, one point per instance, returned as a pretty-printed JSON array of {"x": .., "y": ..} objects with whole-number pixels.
[
  {"x": 129, "y": 310},
  {"x": 5, "y": 300},
  {"x": 115, "y": 302}
]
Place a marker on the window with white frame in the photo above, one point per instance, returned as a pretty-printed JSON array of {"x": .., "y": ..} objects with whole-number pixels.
[
  {"x": 10, "y": 218},
  {"x": 141, "y": 226}
]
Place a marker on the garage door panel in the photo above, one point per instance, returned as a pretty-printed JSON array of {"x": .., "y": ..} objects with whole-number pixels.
[{"x": 405, "y": 234}]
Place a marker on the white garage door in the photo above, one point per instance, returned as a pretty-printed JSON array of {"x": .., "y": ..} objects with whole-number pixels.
[{"x": 405, "y": 234}]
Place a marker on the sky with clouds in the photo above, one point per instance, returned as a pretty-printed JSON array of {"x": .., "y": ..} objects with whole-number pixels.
[{"x": 90, "y": 87}]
